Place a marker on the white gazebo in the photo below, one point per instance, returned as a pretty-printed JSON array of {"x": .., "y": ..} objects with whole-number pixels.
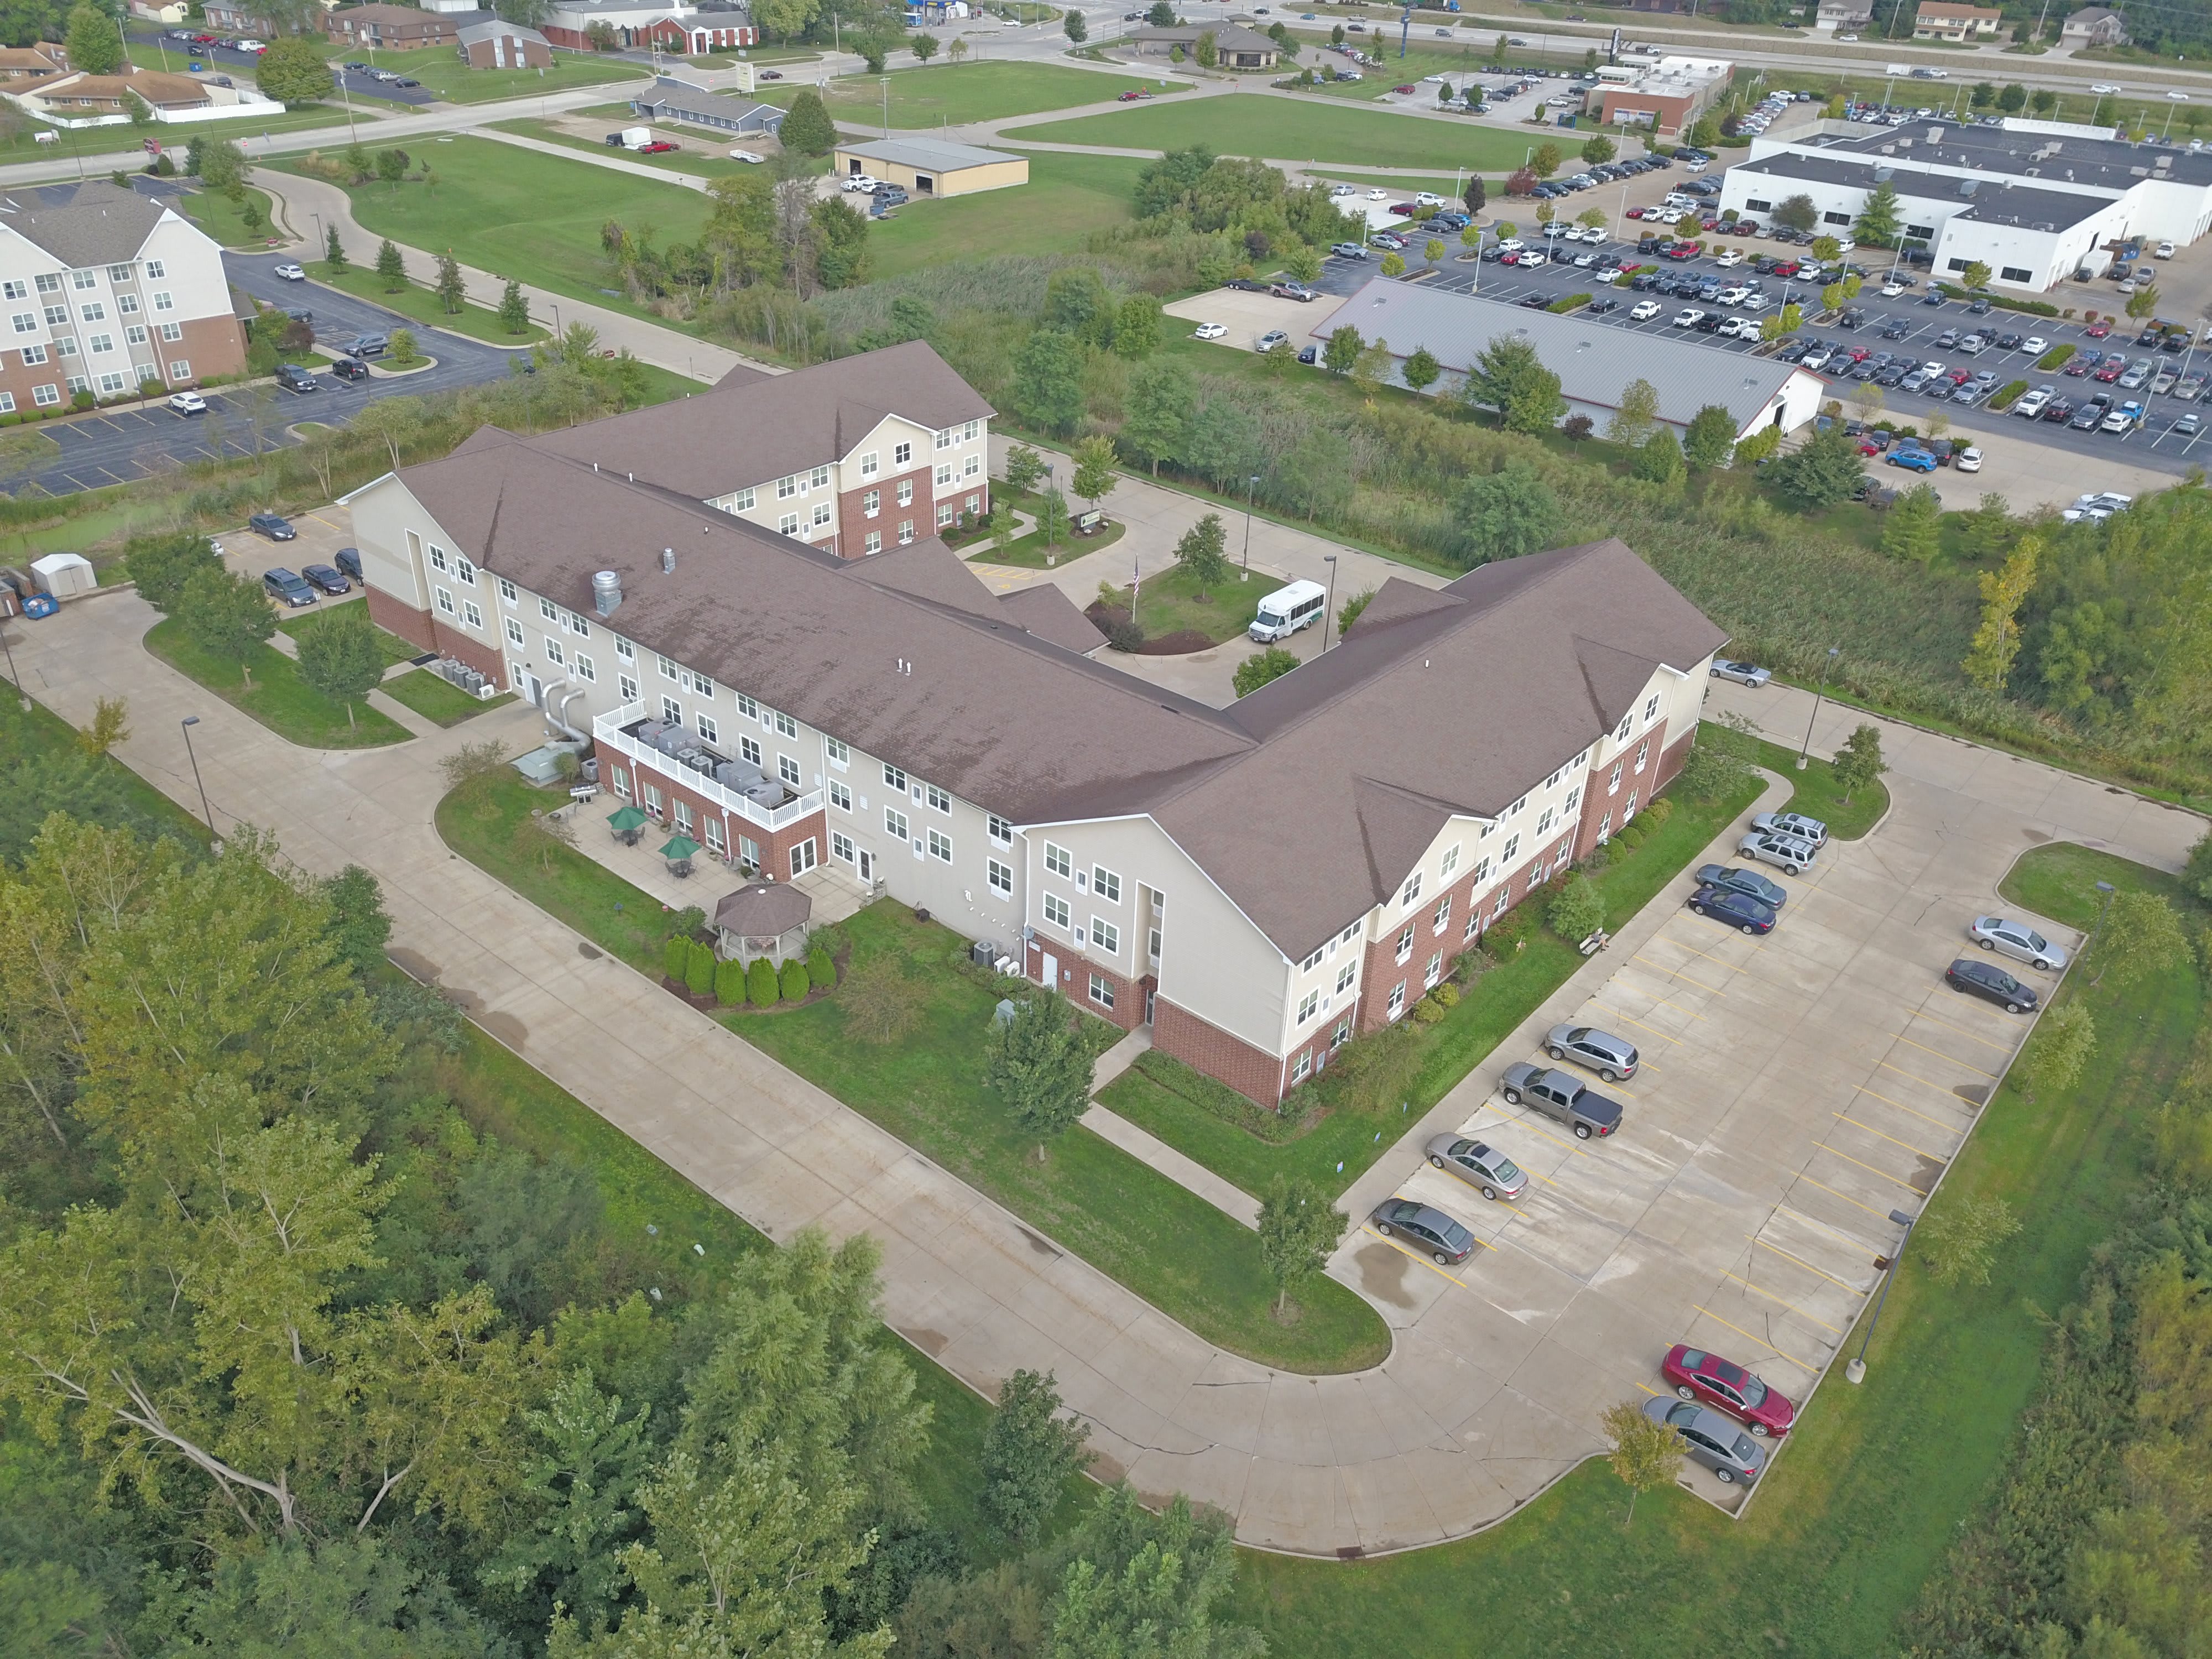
[{"x": 763, "y": 919}]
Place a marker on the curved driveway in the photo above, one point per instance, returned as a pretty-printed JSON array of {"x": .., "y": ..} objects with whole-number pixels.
[{"x": 1492, "y": 1390}]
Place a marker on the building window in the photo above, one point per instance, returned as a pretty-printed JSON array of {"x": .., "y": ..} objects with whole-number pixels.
[
  {"x": 2016, "y": 274},
  {"x": 706, "y": 723},
  {"x": 671, "y": 711},
  {"x": 50, "y": 283},
  {"x": 1574, "y": 799},
  {"x": 136, "y": 334},
  {"x": 552, "y": 648},
  {"x": 1106, "y": 936},
  {"x": 1000, "y": 831},
  {"x": 1444, "y": 914},
  {"x": 840, "y": 754},
  {"x": 1435, "y": 969},
  {"x": 1397, "y": 1004},
  {"x": 901, "y": 454},
  {"x": 1308, "y": 1005},
  {"x": 1481, "y": 872},
  {"x": 1001, "y": 877},
  {"x": 1102, "y": 990},
  {"x": 620, "y": 779},
  {"x": 975, "y": 465},
  {"x": 1342, "y": 1034},
  {"x": 906, "y": 532},
  {"x": 164, "y": 302},
  {"x": 802, "y": 857},
  {"x": 747, "y": 707},
  {"x": 840, "y": 847},
  {"x": 1057, "y": 860},
  {"x": 1836, "y": 218},
  {"x": 466, "y": 573},
  {"x": 1754, "y": 206},
  {"x": 788, "y": 525},
  {"x": 445, "y": 601},
  {"x": 1055, "y": 910},
  {"x": 872, "y": 543},
  {"x": 893, "y": 778},
  {"x": 1345, "y": 975},
  {"x": 1106, "y": 883},
  {"x": 841, "y": 797},
  {"x": 742, "y": 501},
  {"x": 438, "y": 562},
  {"x": 818, "y": 479},
  {"x": 1652, "y": 708},
  {"x": 787, "y": 769},
  {"x": 821, "y": 516},
  {"x": 1643, "y": 752},
  {"x": 1545, "y": 820},
  {"x": 1412, "y": 894},
  {"x": 1605, "y": 828},
  {"x": 626, "y": 687},
  {"x": 127, "y": 304},
  {"x": 45, "y": 396},
  {"x": 111, "y": 383},
  {"x": 1628, "y": 812},
  {"x": 7, "y": 403},
  {"x": 514, "y": 632},
  {"x": 669, "y": 670},
  {"x": 94, "y": 312},
  {"x": 872, "y": 503},
  {"x": 895, "y": 823},
  {"x": 787, "y": 488},
  {"x": 474, "y": 618},
  {"x": 84, "y": 279},
  {"x": 1473, "y": 922},
  {"x": 786, "y": 726},
  {"x": 937, "y": 798},
  {"x": 1310, "y": 963},
  {"x": 868, "y": 467},
  {"x": 749, "y": 750},
  {"x": 714, "y": 842},
  {"x": 943, "y": 474},
  {"x": 1450, "y": 862},
  {"x": 585, "y": 669},
  {"x": 683, "y": 815},
  {"x": 1513, "y": 848},
  {"x": 1406, "y": 943},
  {"x": 172, "y": 332}
]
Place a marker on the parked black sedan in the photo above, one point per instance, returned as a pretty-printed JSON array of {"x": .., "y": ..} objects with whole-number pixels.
[
  {"x": 1992, "y": 984},
  {"x": 328, "y": 580},
  {"x": 1735, "y": 909}
]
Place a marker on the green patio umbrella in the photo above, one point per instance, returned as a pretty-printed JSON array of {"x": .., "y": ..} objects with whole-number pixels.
[
  {"x": 629, "y": 818},
  {"x": 679, "y": 847}
]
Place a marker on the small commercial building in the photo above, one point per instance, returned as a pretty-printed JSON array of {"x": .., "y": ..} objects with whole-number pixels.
[
  {"x": 1596, "y": 361},
  {"x": 1666, "y": 99},
  {"x": 1947, "y": 19},
  {"x": 683, "y": 28},
  {"x": 498, "y": 44},
  {"x": 928, "y": 167},
  {"x": 2094, "y": 26},
  {"x": 679, "y": 103},
  {"x": 1236, "y": 46},
  {"x": 395, "y": 29},
  {"x": 1843, "y": 16}
]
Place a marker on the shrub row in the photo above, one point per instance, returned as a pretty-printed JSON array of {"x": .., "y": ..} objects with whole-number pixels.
[
  {"x": 2009, "y": 394},
  {"x": 1640, "y": 829},
  {"x": 1571, "y": 303},
  {"x": 2057, "y": 358},
  {"x": 2001, "y": 301},
  {"x": 692, "y": 964}
]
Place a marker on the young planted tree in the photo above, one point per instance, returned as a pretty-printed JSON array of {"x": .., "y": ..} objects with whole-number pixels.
[
  {"x": 1975, "y": 276},
  {"x": 1075, "y": 28},
  {"x": 1341, "y": 349},
  {"x": 1959, "y": 1241},
  {"x": 1859, "y": 761},
  {"x": 881, "y": 1003},
  {"x": 227, "y": 616},
  {"x": 1997, "y": 641},
  {"x": 1720, "y": 758},
  {"x": 1913, "y": 529},
  {"x": 2064, "y": 1039},
  {"x": 1037, "y": 1065},
  {"x": 110, "y": 724},
  {"x": 470, "y": 773},
  {"x": 1631, "y": 422},
  {"x": 1202, "y": 553},
  {"x": 1660, "y": 460},
  {"x": 2141, "y": 935},
  {"x": 391, "y": 269},
  {"x": 1646, "y": 1454},
  {"x": 924, "y": 47},
  {"x": 339, "y": 656},
  {"x": 1052, "y": 518},
  {"x": 1298, "y": 1229},
  {"x": 1710, "y": 438},
  {"x": 392, "y": 167},
  {"x": 452, "y": 291},
  {"x": 334, "y": 254},
  {"x": 1394, "y": 264},
  {"x": 1030, "y": 1452},
  {"x": 1422, "y": 370},
  {"x": 1577, "y": 910},
  {"x": 1095, "y": 477},
  {"x": 514, "y": 308},
  {"x": 1879, "y": 220}
]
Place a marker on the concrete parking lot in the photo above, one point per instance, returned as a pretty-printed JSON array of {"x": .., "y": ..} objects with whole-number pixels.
[{"x": 1796, "y": 1090}]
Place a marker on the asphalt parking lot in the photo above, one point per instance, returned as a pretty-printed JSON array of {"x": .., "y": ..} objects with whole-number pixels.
[
  {"x": 121, "y": 445},
  {"x": 241, "y": 65},
  {"x": 1795, "y": 1089},
  {"x": 2154, "y": 444}
]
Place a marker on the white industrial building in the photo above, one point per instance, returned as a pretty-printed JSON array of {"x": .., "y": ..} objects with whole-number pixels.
[{"x": 2031, "y": 200}]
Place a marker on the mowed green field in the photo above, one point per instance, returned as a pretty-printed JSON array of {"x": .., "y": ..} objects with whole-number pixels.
[
  {"x": 1067, "y": 198},
  {"x": 1287, "y": 129},
  {"x": 951, "y": 93},
  {"x": 518, "y": 214},
  {"x": 442, "y": 71}
]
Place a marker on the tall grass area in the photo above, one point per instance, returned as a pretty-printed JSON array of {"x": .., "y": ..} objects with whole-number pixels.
[{"x": 1876, "y": 1484}]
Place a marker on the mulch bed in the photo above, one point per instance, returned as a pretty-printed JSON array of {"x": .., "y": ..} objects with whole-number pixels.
[{"x": 1181, "y": 643}]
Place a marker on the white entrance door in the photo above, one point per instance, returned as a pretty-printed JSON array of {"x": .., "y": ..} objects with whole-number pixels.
[
  {"x": 868, "y": 866},
  {"x": 1051, "y": 974},
  {"x": 533, "y": 687}
]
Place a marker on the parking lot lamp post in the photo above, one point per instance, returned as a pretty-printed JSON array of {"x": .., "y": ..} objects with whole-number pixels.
[
  {"x": 1856, "y": 1371},
  {"x": 206, "y": 811},
  {"x": 1329, "y": 559},
  {"x": 1829, "y": 668},
  {"x": 886, "y": 81},
  {"x": 22, "y": 695},
  {"x": 2179, "y": 97},
  {"x": 1251, "y": 487}
]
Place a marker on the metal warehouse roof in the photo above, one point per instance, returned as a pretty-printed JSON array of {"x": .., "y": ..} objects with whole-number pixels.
[
  {"x": 1992, "y": 200},
  {"x": 931, "y": 154},
  {"x": 1595, "y": 360}
]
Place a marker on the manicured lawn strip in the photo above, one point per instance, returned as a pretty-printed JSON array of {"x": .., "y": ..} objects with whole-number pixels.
[
  {"x": 441, "y": 70},
  {"x": 40, "y": 736},
  {"x": 1168, "y": 604},
  {"x": 1877, "y": 1478},
  {"x": 394, "y": 649},
  {"x": 1489, "y": 1012},
  {"x": 1069, "y": 199},
  {"x": 1172, "y": 1248},
  {"x": 516, "y": 213},
  {"x": 278, "y": 697},
  {"x": 2060, "y": 881},
  {"x": 1167, "y": 1245},
  {"x": 224, "y": 220},
  {"x": 436, "y": 698},
  {"x": 1291, "y": 129},
  {"x": 1817, "y": 796},
  {"x": 954, "y": 93},
  {"x": 698, "y": 152},
  {"x": 1028, "y": 550},
  {"x": 416, "y": 301}
]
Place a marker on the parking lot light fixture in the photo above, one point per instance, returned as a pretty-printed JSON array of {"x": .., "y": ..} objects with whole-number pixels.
[
  {"x": 206, "y": 811},
  {"x": 1251, "y": 490},
  {"x": 1329, "y": 605},
  {"x": 1856, "y": 1371},
  {"x": 1804, "y": 753}
]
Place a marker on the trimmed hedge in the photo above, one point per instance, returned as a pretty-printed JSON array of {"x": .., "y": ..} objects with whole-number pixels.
[
  {"x": 822, "y": 970},
  {"x": 675, "y": 957},
  {"x": 2009, "y": 394},
  {"x": 2003, "y": 302},
  {"x": 699, "y": 968},
  {"x": 2057, "y": 358},
  {"x": 761, "y": 988},
  {"x": 793, "y": 982},
  {"x": 729, "y": 982}
]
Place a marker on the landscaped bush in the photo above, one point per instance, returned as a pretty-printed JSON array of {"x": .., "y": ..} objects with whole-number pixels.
[
  {"x": 1428, "y": 1011},
  {"x": 761, "y": 988},
  {"x": 793, "y": 980},
  {"x": 2009, "y": 394},
  {"x": 675, "y": 957},
  {"x": 729, "y": 982},
  {"x": 2057, "y": 358},
  {"x": 1447, "y": 994},
  {"x": 699, "y": 968},
  {"x": 1571, "y": 302},
  {"x": 2003, "y": 302},
  {"x": 822, "y": 970},
  {"x": 1660, "y": 809}
]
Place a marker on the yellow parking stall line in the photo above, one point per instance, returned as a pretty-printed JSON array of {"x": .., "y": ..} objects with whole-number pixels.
[
  {"x": 1908, "y": 1111},
  {"x": 1632, "y": 1020},
  {"x": 1676, "y": 973},
  {"x": 1656, "y": 1394},
  {"x": 1811, "y": 1368},
  {"x": 1846, "y": 1197},
  {"x": 1733, "y": 967},
  {"x": 1669, "y": 1002},
  {"x": 1411, "y": 1255},
  {"x": 1870, "y": 1170},
  {"x": 1893, "y": 1140},
  {"x": 1939, "y": 1054},
  {"x": 1569, "y": 1144},
  {"x": 1850, "y": 1239},
  {"x": 1787, "y": 1256},
  {"x": 1921, "y": 1013},
  {"x": 323, "y": 522},
  {"x": 1925, "y": 1082},
  {"x": 1785, "y": 1301}
]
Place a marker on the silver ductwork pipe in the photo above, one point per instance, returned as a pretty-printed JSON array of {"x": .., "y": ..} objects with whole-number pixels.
[{"x": 556, "y": 715}]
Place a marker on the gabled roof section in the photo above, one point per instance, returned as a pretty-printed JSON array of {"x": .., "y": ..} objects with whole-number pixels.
[
  {"x": 1396, "y": 826},
  {"x": 96, "y": 224},
  {"x": 931, "y": 570},
  {"x": 1615, "y": 677},
  {"x": 1398, "y": 599},
  {"x": 1047, "y": 612}
]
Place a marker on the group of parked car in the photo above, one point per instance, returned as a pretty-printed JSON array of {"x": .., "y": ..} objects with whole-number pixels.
[{"x": 370, "y": 71}]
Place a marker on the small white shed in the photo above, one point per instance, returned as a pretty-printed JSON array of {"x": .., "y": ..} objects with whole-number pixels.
[{"x": 65, "y": 575}]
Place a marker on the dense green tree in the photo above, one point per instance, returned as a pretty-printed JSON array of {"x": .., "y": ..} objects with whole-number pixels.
[
  {"x": 1823, "y": 472},
  {"x": 1137, "y": 327},
  {"x": 1299, "y": 1226},
  {"x": 1421, "y": 369},
  {"x": 1030, "y": 1452},
  {"x": 2139, "y": 936},
  {"x": 1796, "y": 213},
  {"x": 1162, "y": 398},
  {"x": 340, "y": 657},
  {"x": 1476, "y": 195},
  {"x": 94, "y": 41},
  {"x": 1074, "y": 27},
  {"x": 1341, "y": 351},
  {"x": 841, "y": 250},
  {"x": 1914, "y": 526},
  {"x": 1047, "y": 384},
  {"x": 1094, "y": 478},
  {"x": 161, "y": 564},
  {"x": 1599, "y": 150},
  {"x": 1262, "y": 666},
  {"x": 924, "y": 46},
  {"x": 1660, "y": 459},
  {"x": 1545, "y": 161},
  {"x": 293, "y": 72},
  {"x": 514, "y": 308},
  {"x": 1148, "y": 1584},
  {"x": 225, "y": 615},
  {"x": 358, "y": 927},
  {"x": 1202, "y": 553},
  {"x": 390, "y": 268},
  {"x": 2013, "y": 98},
  {"x": 1708, "y": 438},
  {"x": 1879, "y": 222},
  {"x": 1037, "y": 1064},
  {"x": 1858, "y": 763},
  {"x": 1509, "y": 378},
  {"x": 807, "y": 129},
  {"x": 1638, "y": 412},
  {"x": 1504, "y": 515}
]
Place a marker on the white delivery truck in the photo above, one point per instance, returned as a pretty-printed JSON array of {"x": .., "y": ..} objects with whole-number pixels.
[
  {"x": 1287, "y": 610},
  {"x": 634, "y": 137}
]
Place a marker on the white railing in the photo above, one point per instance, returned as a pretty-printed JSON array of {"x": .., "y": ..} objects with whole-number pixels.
[{"x": 607, "y": 729}]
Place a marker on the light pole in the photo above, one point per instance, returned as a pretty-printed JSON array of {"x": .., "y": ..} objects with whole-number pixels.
[
  {"x": 22, "y": 695},
  {"x": 1251, "y": 487},
  {"x": 1329, "y": 559},
  {"x": 206, "y": 811},
  {"x": 1827, "y": 669},
  {"x": 886, "y": 81},
  {"x": 1856, "y": 1371}
]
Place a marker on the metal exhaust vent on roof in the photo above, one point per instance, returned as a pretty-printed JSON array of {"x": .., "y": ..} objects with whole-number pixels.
[
  {"x": 606, "y": 592},
  {"x": 667, "y": 561}
]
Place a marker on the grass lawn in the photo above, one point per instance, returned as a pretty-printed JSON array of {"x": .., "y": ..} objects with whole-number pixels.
[
  {"x": 39, "y": 737},
  {"x": 1170, "y": 1246},
  {"x": 1028, "y": 550},
  {"x": 224, "y": 220},
  {"x": 394, "y": 649},
  {"x": 954, "y": 93},
  {"x": 1819, "y": 797},
  {"x": 1877, "y": 1480},
  {"x": 1284, "y": 129},
  {"x": 1165, "y": 1102},
  {"x": 442, "y": 71},
  {"x": 278, "y": 697},
  {"x": 1169, "y": 603},
  {"x": 1068, "y": 198},
  {"x": 698, "y": 152},
  {"x": 1167, "y": 1245},
  {"x": 423, "y": 306},
  {"x": 536, "y": 217},
  {"x": 436, "y": 698}
]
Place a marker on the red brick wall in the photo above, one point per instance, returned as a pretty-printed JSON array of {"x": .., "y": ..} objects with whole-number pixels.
[
  {"x": 1075, "y": 971},
  {"x": 1672, "y": 756},
  {"x": 1206, "y": 1048},
  {"x": 775, "y": 847},
  {"x": 433, "y": 633},
  {"x": 404, "y": 620},
  {"x": 853, "y": 523}
]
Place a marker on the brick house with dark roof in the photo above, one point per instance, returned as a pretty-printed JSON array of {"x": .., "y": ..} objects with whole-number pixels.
[{"x": 1258, "y": 883}]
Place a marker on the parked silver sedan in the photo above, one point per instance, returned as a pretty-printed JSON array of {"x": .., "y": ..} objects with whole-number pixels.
[
  {"x": 1484, "y": 1168},
  {"x": 1614, "y": 1059},
  {"x": 1742, "y": 673},
  {"x": 1710, "y": 1439},
  {"x": 2018, "y": 941}
]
